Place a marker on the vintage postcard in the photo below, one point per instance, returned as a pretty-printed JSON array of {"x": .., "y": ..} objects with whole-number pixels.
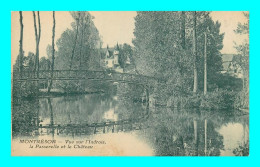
[{"x": 126, "y": 83}]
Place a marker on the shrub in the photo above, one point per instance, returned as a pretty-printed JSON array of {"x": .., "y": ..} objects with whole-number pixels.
[
  {"x": 242, "y": 100},
  {"x": 218, "y": 100}
]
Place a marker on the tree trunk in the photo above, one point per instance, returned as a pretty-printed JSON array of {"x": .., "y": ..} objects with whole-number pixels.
[
  {"x": 53, "y": 52},
  {"x": 38, "y": 43},
  {"x": 21, "y": 45},
  {"x": 36, "y": 40},
  {"x": 183, "y": 43},
  {"x": 206, "y": 144},
  {"x": 84, "y": 25},
  {"x": 195, "y": 124},
  {"x": 195, "y": 84},
  {"x": 75, "y": 42},
  {"x": 205, "y": 65},
  {"x": 81, "y": 44}
]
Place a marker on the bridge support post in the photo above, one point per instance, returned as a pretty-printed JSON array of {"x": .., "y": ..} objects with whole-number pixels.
[
  {"x": 113, "y": 128},
  {"x": 58, "y": 130},
  {"x": 41, "y": 128},
  {"x": 104, "y": 129},
  {"x": 131, "y": 125},
  {"x": 95, "y": 129},
  {"x": 195, "y": 128}
]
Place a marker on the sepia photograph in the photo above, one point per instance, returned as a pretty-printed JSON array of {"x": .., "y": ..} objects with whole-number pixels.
[{"x": 130, "y": 83}]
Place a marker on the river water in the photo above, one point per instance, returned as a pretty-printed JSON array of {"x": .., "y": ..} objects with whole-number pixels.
[{"x": 131, "y": 128}]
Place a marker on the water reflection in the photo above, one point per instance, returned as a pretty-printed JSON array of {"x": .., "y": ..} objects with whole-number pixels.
[
  {"x": 236, "y": 138},
  {"x": 165, "y": 131}
]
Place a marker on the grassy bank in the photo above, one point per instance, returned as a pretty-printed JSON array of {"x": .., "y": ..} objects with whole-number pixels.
[{"x": 215, "y": 100}]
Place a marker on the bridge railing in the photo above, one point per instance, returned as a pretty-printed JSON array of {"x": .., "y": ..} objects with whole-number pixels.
[{"x": 85, "y": 74}]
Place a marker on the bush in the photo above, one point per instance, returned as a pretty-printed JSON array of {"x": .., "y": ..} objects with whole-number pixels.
[
  {"x": 242, "y": 150},
  {"x": 229, "y": 82},
  {"x": 25, "y": 89},
  {"x": 185, "y": 102},
  {"x": 218, "y": 100},
  {"x": 242, "y": 100}
]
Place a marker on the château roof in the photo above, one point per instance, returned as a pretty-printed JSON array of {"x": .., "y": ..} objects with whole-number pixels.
[{"x": 110, "y": 51}]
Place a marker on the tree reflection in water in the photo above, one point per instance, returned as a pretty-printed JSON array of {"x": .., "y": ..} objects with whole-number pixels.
[{"x": 169, "y": 131}]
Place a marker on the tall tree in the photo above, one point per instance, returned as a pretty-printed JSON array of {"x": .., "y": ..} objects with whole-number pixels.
[
  {"x": 37, "y": 40},
  {"x": 214, "y": 45},
  {"x": 157, "y": 40},
  {"x": 243, "y": 50},
  {"x": 159, "y": 51},
  {"x": 205, "y": 64},
  {"x": 183, "y": 22},
  {"x": 85, "y": 55},
  {"x": 75, "y": 41},
  {"x": 195, "y": 70},
  {"x": 53, "y": 51},
  {"x": 125, "y": 54},
  {"x": 83, "y": 24},
  {"x": 21, "y": 45}
]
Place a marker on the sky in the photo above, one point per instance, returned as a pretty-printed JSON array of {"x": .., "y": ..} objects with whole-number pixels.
[{"x": 114, "y": 27}]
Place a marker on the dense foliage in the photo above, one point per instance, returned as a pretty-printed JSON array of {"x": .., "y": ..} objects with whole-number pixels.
[
  {"x": 159, "y": 48},
  {"x": 125, "y": 54},
  {"x": 86, "y": 44},
  {"x": 243, "y": 50}
]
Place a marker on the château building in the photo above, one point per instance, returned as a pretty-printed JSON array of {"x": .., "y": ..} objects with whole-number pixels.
[{"x": 110, "y": 59}]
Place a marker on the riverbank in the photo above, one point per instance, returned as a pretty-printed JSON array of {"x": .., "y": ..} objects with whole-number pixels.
[
  {"x": 215, "y": 100},
  {"x": 57, "y": 93}
]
